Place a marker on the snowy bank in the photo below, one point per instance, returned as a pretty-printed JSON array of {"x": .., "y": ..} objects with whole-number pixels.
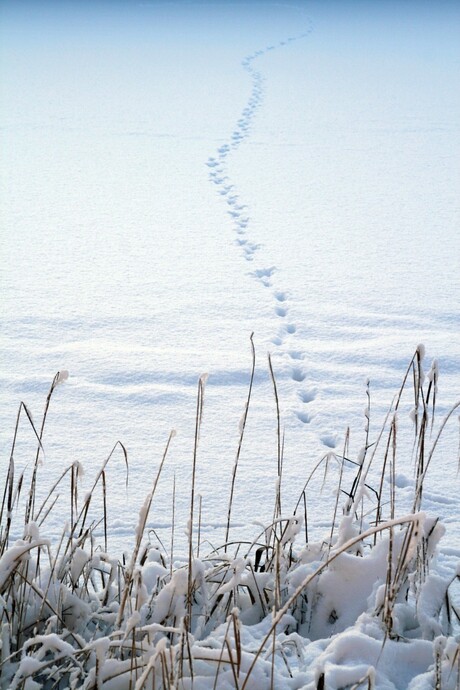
[{"x": 363, "y": 607}]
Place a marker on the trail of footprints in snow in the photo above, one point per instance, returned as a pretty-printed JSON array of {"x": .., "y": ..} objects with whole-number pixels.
[{"x": 241, "y": 221}]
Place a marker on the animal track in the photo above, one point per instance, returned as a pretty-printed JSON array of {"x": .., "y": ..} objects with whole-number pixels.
[
  {"x": 329, "y": 440},
  {"x": 264, "y": 272},
  {"x": 240, "y": 216},
  {"x": 249, "y": 249},
  {"x": 298, "y": 374},
  {"x": 307, "y": 396}
]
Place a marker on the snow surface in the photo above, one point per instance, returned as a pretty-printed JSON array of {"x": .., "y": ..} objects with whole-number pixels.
[{"x": 176, "y": 176}]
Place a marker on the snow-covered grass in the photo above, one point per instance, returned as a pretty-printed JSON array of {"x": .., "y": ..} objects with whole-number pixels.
[{"x": 362, "y": 608}]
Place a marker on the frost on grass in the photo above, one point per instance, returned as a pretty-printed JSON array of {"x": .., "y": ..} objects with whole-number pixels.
[{"x": 362, "y": 606}]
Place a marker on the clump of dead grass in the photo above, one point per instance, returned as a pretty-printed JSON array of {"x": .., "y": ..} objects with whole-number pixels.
[{"x": 74, "y": 617}]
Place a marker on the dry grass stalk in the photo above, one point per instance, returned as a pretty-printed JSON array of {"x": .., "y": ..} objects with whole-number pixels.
[{"x": 240, "y": 442}]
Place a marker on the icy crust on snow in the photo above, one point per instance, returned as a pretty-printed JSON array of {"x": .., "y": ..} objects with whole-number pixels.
[{"x": 358, "y": 610}]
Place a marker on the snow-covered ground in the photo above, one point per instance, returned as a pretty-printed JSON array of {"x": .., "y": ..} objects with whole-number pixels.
[{"x": 176, "y": 176}]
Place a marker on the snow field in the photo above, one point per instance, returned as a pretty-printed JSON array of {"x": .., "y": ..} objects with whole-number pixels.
[{"x": 322, "y": 220}]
